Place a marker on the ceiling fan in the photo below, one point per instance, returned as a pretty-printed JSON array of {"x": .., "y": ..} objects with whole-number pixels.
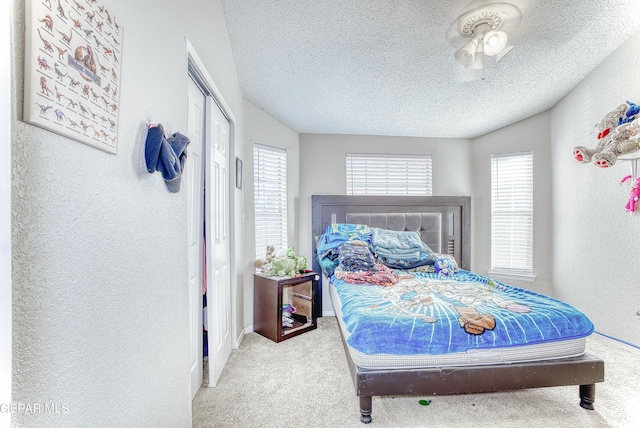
[{"x": 488, "y": 26}]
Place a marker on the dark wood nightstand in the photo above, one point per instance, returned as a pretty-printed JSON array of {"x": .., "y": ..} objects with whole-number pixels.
[{"x": 269, "y": 296}]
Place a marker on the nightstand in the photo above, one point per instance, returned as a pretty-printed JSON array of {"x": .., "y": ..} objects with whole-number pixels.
[{"x": 269, "y": 296}]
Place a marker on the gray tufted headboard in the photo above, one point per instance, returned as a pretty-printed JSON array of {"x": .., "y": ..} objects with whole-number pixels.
[
  {"x": 443, "y": 222},
  {"x": 428, "y": 225}
]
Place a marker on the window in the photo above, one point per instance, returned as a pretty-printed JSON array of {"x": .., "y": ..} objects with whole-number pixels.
[
  {"x": 385, "y": 174},
  {"x": 270, "y": 198},
  {"x": 512, "y": 213}
]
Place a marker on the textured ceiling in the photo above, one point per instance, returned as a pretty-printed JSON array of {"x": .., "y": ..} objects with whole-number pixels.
[{"x": 382, "y": 67}]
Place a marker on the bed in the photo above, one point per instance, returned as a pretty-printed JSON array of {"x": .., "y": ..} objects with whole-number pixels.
[{"x": 443, "y": 224}]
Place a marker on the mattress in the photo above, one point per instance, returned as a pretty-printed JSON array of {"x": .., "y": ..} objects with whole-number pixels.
[{"x": 402, "y": 326}]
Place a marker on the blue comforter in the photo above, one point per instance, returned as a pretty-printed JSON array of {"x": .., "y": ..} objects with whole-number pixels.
[{"x": 425, "y": 313}]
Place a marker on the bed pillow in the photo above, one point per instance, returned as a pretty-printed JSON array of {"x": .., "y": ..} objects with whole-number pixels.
[
  {"x": 426, "y": 257},
  {"x": 396, "y": 244}
]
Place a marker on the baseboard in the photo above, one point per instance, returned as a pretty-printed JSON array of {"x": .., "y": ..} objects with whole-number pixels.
[
  {"x": 239, "y": 339},
  {"x": 633, "y": 345},
  {"x": 328, "y": 314}
]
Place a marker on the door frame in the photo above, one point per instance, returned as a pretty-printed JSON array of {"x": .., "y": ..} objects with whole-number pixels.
[{"x": 198, "y": 68}]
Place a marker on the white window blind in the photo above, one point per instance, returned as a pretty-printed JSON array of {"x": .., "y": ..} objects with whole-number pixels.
[
  {"x": 384, "y": 174},
  {"x": 512, "y": 213},
  {"x": 270, "y": 198}
]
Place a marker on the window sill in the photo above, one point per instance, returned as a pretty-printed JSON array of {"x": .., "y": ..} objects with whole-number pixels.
[{"x": 511, "y": 276}]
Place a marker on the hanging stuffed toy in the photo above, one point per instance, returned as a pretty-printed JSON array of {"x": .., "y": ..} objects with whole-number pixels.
[
  {"x": 634, "y": 195},
  {"x": 617, "y": 135}
]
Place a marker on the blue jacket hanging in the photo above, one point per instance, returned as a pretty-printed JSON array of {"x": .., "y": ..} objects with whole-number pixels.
[{"x": 167, "y": 155}]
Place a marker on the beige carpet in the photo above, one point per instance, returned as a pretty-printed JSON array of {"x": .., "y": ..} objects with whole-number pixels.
[{"x": 305, "y": 382}]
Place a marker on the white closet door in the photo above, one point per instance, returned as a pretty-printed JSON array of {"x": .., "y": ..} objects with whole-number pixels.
[{"x": 218, "y": 255}]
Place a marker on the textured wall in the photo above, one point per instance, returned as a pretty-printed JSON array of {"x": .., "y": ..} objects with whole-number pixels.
[
  {"x": 5, "y": 212},
  {"x": 529, "y": 134},
  {"x": 595, "y": 245},
  {"x": 99, "y": 246},
  {"x": 262, "y": 128}
]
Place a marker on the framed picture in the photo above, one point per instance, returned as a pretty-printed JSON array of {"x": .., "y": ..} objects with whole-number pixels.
[
  {"x": 72, "y": 70},
  {"x": 239, "y": 173}
]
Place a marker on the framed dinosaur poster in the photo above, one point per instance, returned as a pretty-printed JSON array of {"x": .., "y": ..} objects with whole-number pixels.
[{"x": 73, "y": 52}]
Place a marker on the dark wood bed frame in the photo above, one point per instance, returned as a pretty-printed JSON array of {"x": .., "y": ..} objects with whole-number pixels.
[{"x": 585, "y": 370}]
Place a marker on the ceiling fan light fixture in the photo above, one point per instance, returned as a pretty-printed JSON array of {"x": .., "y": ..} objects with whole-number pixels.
[
  {"x": 466, "y": 54},
  {"x": 478, "y": 63},
  {"x": 495, "y": 42},
  {"x": 488, "y": 27}
]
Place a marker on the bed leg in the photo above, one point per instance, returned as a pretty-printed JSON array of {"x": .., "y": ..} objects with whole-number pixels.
[
  {"x": 587, "y": 396},
  {"x": 365, "y": 410}
]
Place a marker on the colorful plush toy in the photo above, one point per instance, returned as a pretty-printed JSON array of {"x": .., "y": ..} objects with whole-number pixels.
[
  {"x": 617, "y": 135},
  {"x": 445, "y": 265},
  {"x": 631, "y": 113},
  {"x": 634, "y": 195},
  {"x": 284, "y": 263}
]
